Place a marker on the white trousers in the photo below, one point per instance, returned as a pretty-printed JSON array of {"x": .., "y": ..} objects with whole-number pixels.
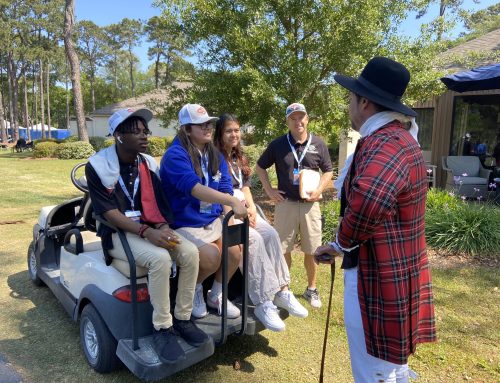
[{"x": 365, "y": 367}]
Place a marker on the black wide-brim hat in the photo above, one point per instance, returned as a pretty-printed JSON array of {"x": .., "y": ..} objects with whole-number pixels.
[{"x": 382, "y": 81}]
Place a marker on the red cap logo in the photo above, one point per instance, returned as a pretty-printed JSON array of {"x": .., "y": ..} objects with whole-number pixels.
[{"x": 201, "y": 110}]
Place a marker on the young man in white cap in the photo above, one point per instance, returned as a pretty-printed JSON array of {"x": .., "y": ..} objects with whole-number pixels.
[
  {"x": 125, "y": 189},
  {"x": 291, "y": 153},
  {"x": 388, "y": 304}
]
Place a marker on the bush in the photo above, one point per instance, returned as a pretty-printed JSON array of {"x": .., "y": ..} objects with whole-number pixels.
[
  {"x": 74, "y": 150},
  {"x": 70, "y": 139},
  {"x": 457, "y": 226},
  {"x": 97, "y": 142},
  {"x": 168, "y": 142},
  {"x": 330, "y": 215},
  {"x": 44, "y": 149},
  {"x": 108, "y": 142},
  {"x": 157, "y": 146},
  {"x": 39, "y": 140}
]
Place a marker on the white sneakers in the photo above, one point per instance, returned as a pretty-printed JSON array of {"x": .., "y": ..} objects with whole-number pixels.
[
  {"x": 286, "y": 300},
  {"x": 216, "y": 303},
  {"x": 199, "y": 306},
  {"x": 267, "y": 313}
]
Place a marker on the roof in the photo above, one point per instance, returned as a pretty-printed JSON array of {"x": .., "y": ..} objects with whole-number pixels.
[
  {"x": 484, "y": 46},
  {"x": 139, "y": 101}
]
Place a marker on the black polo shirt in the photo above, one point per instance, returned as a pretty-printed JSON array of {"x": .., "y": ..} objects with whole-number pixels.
[{"x": 279, "y": 154}]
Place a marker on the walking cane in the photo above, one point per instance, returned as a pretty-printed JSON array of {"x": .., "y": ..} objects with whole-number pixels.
[{"x": 332, "y": 266}]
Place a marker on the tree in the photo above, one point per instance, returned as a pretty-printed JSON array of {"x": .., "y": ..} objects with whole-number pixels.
[
  {"x": 69, "y": 17},
  {"x": 170, "y": 44},
  {"x": 483, "y": 21},
  {"x": 130, "y": 32},
  {"x": 91, "y": 43},
  {"x": 258, "y": 56}
]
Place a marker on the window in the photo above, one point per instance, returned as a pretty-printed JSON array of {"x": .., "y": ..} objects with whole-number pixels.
[
  {"x": 424, "y": 121},
  {"x": 476, "y": 124}
]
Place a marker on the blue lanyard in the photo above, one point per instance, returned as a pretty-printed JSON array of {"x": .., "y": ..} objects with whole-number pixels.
[
  {"x": 295, "y": 152},
  {"x": 204, "y": 166}
]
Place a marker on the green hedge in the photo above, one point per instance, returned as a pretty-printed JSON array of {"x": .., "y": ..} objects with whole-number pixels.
[
  {"x": 44, "y": 149},
  {"x": 108, "y": 142},
  {"x": 157, "y": 146},
  {"x": 330, "y": 213},
  {"x": 458, "y": 226},
  {"x": 97, "y": 142},
  {"x": 40, "y": 140},
  {"x": 74, "y": 150},
  {"x": 71, "y": 139}
]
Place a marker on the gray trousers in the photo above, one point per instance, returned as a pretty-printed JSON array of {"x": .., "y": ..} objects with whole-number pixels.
[{"x": 267, "y": 268}]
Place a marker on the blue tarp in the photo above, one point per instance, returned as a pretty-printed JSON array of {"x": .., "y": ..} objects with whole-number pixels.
[
  {"x": 482, "y": 78},
  {"x": 36, "y": 134}
]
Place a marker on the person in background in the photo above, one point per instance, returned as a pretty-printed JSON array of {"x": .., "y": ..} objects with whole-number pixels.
[
  {"x": 125, "y": 189},
  {"x": 196, "y": 181},
  {"x": 388, "y": 303},
  {"x": 297, "y": 150},
  {"x": 269, "y": 276}
]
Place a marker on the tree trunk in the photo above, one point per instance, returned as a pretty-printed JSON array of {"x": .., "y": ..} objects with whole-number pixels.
[
  {"x": 157, "y": 71},
  {"x": 35, "y": 100},
  {"x": 47, "y": 84},
  {"x": 25, "y": 107},
  {"x": 67, "y": 95},
  {"x": 131, "y": 70},
  {"x": 69, "y": 18},
  {"x": 42, "y": 102},
  {"x": 13, "y": 91},
  {"x": 3, "y": 130}
]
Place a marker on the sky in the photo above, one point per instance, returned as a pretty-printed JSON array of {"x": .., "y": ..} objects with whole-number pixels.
[{"x": 105, "y": 12}]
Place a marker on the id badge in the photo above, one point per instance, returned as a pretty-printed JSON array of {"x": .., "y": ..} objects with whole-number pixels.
[
  {"x": 134, "y": 215},
  {"x": 205, "y": 207},
  {"x": 296, "y": 176}
]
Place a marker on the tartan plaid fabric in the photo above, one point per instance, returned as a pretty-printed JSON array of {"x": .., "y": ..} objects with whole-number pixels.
[{"x": 385, "y": 214}]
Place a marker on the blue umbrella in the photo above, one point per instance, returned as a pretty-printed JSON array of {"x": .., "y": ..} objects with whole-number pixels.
[{"x": 482, "y": 78}]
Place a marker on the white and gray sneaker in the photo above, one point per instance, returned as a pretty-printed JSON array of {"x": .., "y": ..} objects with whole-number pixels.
[
  {"x": 312, "y": 297},
  {"x": 267, "y": 313},
  {"x": 199, "y": 306},
  {"x": 216, "y": 303},
  {"x": 286, "y": 300}
]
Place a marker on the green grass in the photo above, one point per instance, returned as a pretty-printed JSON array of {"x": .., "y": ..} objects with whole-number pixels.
[{"x": 42, "y": 343}]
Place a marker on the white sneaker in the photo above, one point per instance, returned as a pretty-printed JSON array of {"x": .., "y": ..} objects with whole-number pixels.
[
  {"x": 199, "y": 306},
  {"x": 267, "y": 313},
  {"x": 312, "y": 296},
  {"x": 216, "y": 303},
  {"x": 286, "y": 300}
]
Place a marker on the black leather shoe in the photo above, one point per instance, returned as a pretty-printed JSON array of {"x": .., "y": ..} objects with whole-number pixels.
[
  {"x": 166, "y": 345},
  {"x": 188, "y": 330}
]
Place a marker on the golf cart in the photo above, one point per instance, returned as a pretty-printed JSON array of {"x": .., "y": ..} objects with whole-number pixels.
[{"x": 112, "y": 302}]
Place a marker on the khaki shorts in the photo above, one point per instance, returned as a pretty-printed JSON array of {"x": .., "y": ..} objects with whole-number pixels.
[
  {"x": 292, "y": 218},
  {"x": 204, "y": 235}
]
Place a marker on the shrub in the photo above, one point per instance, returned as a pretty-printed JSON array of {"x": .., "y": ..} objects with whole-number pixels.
[
  {"x": 45, "y": 149},
  {"x": 457, "y": 226},
  {"x": 108, "y": 142},
  {"x": 330, "y": 215},
  {"x": 74, "y": 150},
  {"x": 39, "y": 140},
  {"x": 70, "y": 139},
  {"x": 97, "y": 142},
  {"x": 157, "y": 146},
  {"x": 168, "y": 142}
]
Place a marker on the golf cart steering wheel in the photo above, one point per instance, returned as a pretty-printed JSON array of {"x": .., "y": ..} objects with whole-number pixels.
[{"x": 80, "y": 183}]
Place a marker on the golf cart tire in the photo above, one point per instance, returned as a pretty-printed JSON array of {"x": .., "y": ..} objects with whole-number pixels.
[
  {"x": 97, "y": 342},
  {"x": 33, "y": 265}
]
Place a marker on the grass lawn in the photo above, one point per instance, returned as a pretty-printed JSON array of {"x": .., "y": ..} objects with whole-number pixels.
[{"x": 42, "y": 343}]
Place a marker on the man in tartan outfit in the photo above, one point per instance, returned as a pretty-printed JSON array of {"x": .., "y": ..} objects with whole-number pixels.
[{"x": 388, "y": 293}]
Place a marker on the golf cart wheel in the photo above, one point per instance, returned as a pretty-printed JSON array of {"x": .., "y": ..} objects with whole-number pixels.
[
  {"x": 97, "y": 342},
  {"x": 33, "y": 265}
]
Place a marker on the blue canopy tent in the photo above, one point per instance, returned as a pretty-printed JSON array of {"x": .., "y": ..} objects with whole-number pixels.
[
  {"x": 482, "y": 78},
  {"x": 37, "y": 133}
]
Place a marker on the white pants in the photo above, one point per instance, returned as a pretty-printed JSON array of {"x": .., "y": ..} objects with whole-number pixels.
[
  {"x": 267, "y": 268},
  {"x": 365, "y": 367}
]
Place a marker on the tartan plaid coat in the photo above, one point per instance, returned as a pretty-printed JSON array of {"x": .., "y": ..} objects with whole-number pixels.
[{"x": 385, "y": 214}]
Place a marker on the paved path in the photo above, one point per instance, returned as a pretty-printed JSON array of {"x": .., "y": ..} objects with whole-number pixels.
[{"x": 7, "y": 373}]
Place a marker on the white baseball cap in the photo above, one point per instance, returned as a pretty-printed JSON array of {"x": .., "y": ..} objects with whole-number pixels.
[
  {"x": 121, "y": 115},
  {"x": 194, "y": 114},
  {"x": 295, "y": 107}
]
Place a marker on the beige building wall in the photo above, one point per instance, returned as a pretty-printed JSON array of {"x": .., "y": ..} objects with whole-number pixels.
[{"x": 347, "y": 146}]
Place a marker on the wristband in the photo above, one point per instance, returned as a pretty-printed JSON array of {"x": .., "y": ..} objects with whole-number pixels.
[
  {"x": 161, "y": 225},
  {"x": 142, "y": 229}
]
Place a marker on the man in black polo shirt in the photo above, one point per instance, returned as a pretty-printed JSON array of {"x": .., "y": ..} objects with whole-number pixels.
[
  {"x": 124, "y": 188},
  {"x": 291, "y": 153}
]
